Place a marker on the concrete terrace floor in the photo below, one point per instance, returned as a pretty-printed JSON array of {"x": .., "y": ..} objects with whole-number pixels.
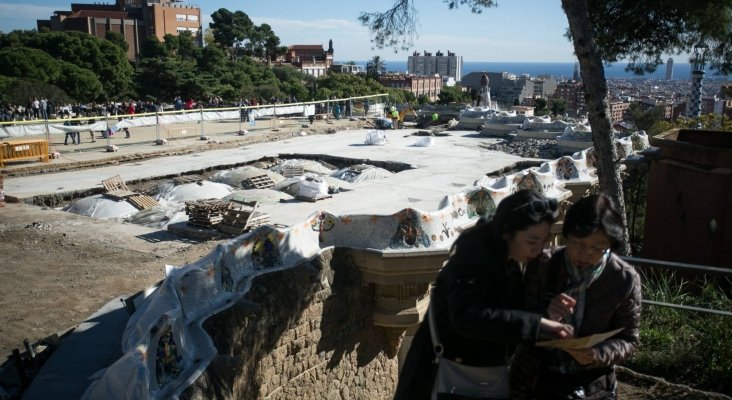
[{"x": 452, "y": 164}]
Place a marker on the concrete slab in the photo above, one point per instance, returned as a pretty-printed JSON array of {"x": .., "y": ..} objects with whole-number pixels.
[
  {"x": 93, "y": 345},
  {"x": 453, "y": 163}
]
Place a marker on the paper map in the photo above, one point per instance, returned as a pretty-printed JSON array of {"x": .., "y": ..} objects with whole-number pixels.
[{"x": 579, "y": 343}]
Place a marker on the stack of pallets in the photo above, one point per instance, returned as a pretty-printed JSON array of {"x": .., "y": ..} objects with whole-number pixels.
[
  {"x": 116, "y": 189},
  {"x": 258, "y": 182},
  {"x": 242, "y": 217},
  {"x": 206, "y": 213},
  {"x": 293, "y": 171}
]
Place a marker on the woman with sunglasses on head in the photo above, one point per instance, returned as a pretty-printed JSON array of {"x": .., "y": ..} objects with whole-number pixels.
[
  {"x": 478, "y": 299},
  {"x": 589, "y": 287}
]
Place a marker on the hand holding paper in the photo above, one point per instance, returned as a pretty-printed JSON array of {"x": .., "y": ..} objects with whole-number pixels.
[{"x": 579, "y": 343}]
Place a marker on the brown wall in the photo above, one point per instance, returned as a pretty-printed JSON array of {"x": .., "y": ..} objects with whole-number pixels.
[
  {"x": 165, "y": 19},
  {"x": 690, "y": 186},
  {"x": 309, "y": 336}
]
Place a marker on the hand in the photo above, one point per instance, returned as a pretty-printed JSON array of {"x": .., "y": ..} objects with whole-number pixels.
[
  {"x": 558, "y": 329},
  {"x": 561, "y": 306},
  {"x": 582, "y": 356}
]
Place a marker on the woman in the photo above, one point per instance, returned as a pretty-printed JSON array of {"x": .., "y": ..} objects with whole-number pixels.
[
  {"x": 596, "y": 292},
  {"x": 478, "y": 298}
]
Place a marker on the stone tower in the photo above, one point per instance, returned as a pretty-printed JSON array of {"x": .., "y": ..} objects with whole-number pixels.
[{"x": 485, "y": 92}]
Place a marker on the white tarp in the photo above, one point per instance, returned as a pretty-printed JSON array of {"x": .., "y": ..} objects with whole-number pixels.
[
  {"x": 307, "y": 165},
  {"x": 235, "y": 177},
  {"x": 40, "y": 129},
  {"x": 375, "y": 137},
  {"x": 266, "y": 196},
  {"x": 354, "y": 175},
  {"x": 192, "y": 191},
  {"x": 160, "y": 217},
  {"x": 101, "y": 207}
]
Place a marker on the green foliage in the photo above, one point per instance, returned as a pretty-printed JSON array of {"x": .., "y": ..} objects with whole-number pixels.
[
  {"x": 19, "y": 91},
  {"x": 106, "y": 60},
  {"x": 683, "y": 346},
  {"x": 423, "y": 99},
  {"x": 33, "y": 64},
  {"x": 117, "y": 39},
  {"x": 348, "y": 85},
  {"x": 230, "y": 29},
  {"x": 559, "y": 106},
  {"x": 375, "y": 67},
  {"x": 645, "y": 119},
  {"x": 453, "y": 94},
  {"x": 152, "y": 47},
  {"x": 540, "y": 105}
]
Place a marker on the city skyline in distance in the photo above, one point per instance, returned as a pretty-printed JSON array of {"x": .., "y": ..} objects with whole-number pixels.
[{"x": 516, "y": 30}]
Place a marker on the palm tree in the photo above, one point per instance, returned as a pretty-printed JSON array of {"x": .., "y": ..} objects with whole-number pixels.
[{"x": 375, "y": 67}]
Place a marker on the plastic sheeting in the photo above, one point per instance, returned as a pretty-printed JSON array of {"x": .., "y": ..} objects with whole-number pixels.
[
  {"x": 307, "y": 165},
  {"x": 98, "y": 206},
  {"x": 369, "y": 173},
  {"x": 192, "y": 191},
  {"x": 160, "y": 217},
  {"x": 375, "y": 137},
  {"x": 426, "y": 141},
  {"x": 235, "y": 177},
  {"x": 270, "y": 196},
  {"x": 40, "y": 129},
  {"x": 291, "y": 186}
]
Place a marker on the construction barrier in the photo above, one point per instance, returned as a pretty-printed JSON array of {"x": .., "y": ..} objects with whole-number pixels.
[{"x": 15, "y": 150}]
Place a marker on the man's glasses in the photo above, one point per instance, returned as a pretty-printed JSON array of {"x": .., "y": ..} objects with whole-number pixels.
[{"x": 540, "y": 206}]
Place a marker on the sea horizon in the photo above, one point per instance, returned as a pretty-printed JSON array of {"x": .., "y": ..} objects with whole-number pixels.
[{"x": 558, "y": 69}]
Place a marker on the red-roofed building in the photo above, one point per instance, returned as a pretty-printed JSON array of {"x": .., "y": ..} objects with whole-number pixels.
[
  {"x": 134, "y": 19},
  {"x": 310, "y": 59}
]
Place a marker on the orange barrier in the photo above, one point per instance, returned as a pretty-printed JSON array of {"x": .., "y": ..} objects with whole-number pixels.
[{"x": 14, "y": 150}]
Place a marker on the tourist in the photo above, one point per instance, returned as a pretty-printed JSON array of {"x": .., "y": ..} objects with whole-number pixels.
[
  {"x": 478, "y": 298},
  {"x": 592, "y": 289}
]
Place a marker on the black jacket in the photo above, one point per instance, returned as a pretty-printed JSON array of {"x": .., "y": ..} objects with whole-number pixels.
[{"x": 478, "y": 301}]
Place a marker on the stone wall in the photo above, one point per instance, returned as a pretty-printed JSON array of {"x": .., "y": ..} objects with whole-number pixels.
[{"x": 302, "y": 333}]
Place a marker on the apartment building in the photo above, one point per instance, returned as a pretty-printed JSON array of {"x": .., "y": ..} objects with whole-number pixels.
[
  {"x": 426, "y": 64},
  {"x": 430, "y": 86},
  {"x": 134, "y": 19}
]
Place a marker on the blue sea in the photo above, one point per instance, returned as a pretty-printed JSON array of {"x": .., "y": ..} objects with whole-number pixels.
[{"x": 557, "y": 69}]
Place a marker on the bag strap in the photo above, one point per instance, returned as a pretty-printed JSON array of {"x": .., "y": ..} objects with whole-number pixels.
[{"x": 437, "y": 346}]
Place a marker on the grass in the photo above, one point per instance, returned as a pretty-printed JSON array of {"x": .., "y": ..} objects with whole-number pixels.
[{"x": 683, "y": 346}]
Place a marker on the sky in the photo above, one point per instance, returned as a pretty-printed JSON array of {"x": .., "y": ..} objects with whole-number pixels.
[{"x": 516, "y": 30}]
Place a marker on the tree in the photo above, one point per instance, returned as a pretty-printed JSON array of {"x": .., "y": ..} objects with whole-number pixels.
[
  {"x": 118, "y": 39},
  {"x": 539, "y": 105},
  {"x": 452, "y": 94},
  {"x": 375, "y": 67},
  {"x": 602, "y": 30},
  {"x": 644, "y": 119},
  {"x": 230, "y": 30},
  {"x": 559, "y": 106}
]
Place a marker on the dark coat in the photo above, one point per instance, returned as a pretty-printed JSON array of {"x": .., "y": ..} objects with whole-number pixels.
[
  {"x": 478, "y": 301},
  {"x": 613, "y": 301}
]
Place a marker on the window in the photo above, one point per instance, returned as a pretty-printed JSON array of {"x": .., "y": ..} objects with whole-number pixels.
[
  {"x": 180, "y": 17},
  {"x": 193, "y": 17},
  {"x": 180, "y": 29}
]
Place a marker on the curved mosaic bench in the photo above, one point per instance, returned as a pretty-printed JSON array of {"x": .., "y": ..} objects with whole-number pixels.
[{"x": 164, "y": 344}]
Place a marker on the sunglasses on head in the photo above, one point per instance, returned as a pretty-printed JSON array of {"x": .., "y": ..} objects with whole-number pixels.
[{"x": 540, "y": 206}]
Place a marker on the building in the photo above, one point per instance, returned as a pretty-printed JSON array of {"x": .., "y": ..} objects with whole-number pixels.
[
  {"x": 445, "y": 65},
  {"x": 573, "y": 94},
  {"x": 544, "y": 86},
  {"x": 430, "y": 86},
  {"x": 134, "y": 19},
  {"x": 670, "y": 69},
  {"x": 348, "y": 68},
  {"x": 506, "y": 89},
  {"x": 618, "y": 109},
  {"x": 311, "y": 59}
]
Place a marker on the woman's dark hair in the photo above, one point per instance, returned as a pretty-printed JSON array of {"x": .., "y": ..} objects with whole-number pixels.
[
  {"x": 521, "y": 210},
  {"x": 592, "y": 213}
]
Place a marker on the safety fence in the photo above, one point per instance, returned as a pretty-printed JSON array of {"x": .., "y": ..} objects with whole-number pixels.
[
  {"x": 190, "y": 123},
  {"x": 681, "y": 272}
]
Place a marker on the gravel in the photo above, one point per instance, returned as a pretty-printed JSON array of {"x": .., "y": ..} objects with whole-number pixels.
[{"x": 528, "y": 148}]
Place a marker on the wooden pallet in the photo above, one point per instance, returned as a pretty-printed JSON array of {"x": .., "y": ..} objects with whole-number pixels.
[
  {"x": 258, "y": 182},
  {"x": 313, "y": 199},
  {"x": 242, "y": 217},
  {"x": 119, "y": 194},
  {"x": 293, "y": 171},
  {"x": 115, "y": 183},
  {"x": 142, "y": 202},
  {"x": 206, "y": 213},
  {"x": 182, "y": 180}
]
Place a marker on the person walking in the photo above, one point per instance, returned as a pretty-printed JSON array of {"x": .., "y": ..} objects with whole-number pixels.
[{"x": 478, "y": 300}]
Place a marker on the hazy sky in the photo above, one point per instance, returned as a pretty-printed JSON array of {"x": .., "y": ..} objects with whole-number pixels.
[{"x": 517, "y": 30}]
